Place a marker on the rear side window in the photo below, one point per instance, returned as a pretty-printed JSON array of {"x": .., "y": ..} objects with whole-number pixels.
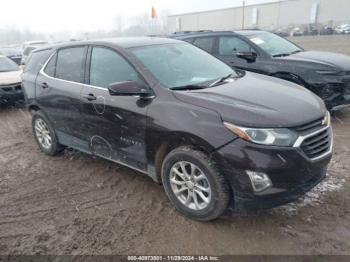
[
  {"x": 108, "y": 67},
  {"x": 50, "y": 68},
  {"x": 37, "y": 60},
  {"x": 231, "y": 45},
  {"x": 69, "y": 64},
  {"x": 205, "y": 43}
]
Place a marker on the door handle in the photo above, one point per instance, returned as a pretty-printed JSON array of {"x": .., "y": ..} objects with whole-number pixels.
[
  {"x": 89, "y": 97},
  {"x": 44, "y": 85}
]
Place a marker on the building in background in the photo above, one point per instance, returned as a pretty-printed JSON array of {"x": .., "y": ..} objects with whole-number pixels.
[{"x": 275, "y": 16}]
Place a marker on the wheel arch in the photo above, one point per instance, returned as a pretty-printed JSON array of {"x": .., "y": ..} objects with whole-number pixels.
[
  {"x": 290, "y": 77},
  {"x": 171, "y": 140}
]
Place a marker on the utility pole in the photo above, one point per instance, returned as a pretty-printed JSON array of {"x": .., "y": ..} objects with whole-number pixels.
[{"x": 243, "y": 7}]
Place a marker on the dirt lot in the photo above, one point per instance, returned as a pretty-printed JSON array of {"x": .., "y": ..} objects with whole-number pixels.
[{"x": 77, "y": 204}]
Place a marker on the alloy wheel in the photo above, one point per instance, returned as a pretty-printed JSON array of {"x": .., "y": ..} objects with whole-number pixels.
[
  {"x": 42, "y": 133},
  {"x": 190, "y": 185}
]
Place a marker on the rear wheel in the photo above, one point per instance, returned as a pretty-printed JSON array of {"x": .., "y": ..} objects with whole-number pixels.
[
  {"x": 45, "y": 135},
  {"x": 194, "y": 184}
]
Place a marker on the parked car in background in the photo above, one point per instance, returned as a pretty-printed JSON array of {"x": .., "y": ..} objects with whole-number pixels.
[
  {"x": 327, "y": 30},
  {"x": 311, "y": 29},
  {"x": 15, "y": 54},
  {"x": 28, "y": 50},
  {"x": 280, "y": 33},
  {"x": 10, "y": 82},
  {"x": 33, "y": 43},
  {"x": 324, "y": 73},
  {"x": 215, "y": 138},
  {"x": 343, "y": 29},
  {"x": 297, "y": 31}
]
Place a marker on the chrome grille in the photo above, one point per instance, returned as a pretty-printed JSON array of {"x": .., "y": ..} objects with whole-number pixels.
[
  {"x": 11, "y": 88},
  {"x": 309, "y": 127},
  {"x": 318, "y": 144}
]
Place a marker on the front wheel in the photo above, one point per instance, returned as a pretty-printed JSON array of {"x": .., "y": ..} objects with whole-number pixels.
[{"x": 194, "y": 184}]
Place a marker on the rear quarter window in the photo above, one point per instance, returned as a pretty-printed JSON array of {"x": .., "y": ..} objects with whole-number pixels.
[
  {"x": 37, "y": 61},
  {"x": 205, "y": 43}
]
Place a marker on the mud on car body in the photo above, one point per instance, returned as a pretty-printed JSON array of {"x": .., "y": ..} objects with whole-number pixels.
[
  {"x": 325, "y": 74},
  {"x": 170, "y": 110}
]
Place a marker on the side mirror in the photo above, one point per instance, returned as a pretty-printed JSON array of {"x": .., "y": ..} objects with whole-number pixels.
[
  {"x": 248, "y": 56},
  {"x": 128, "y": 88}
]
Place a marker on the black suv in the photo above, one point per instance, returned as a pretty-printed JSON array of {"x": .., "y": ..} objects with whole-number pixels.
[
  {"x": 209, "y": 134},
  {"x": 326, "y": 74}
]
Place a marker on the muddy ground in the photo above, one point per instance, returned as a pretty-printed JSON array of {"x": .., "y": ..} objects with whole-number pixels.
[{"x": 78, "y": 204}]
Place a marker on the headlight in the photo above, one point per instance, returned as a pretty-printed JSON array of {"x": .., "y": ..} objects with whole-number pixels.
[{"x": 265, "y": 136}]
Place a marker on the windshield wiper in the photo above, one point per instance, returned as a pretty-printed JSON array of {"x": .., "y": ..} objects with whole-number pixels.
[
  {"x": 287, "y": 54},
  {"x": 187, "y": 87},
  {"x": 220, "y": 80},
  {"x": 281, "y": 55}
]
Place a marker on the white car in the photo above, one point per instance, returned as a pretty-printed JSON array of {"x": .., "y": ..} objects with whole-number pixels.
[
  {"x": 10, "y": 81},
  {"x": 343, "y": 29},
  {"x": 35, "y": 43}
]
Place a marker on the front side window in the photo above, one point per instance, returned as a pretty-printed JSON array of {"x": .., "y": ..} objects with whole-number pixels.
[
  {"x": 205, "y": 43},
  {"x": 232, "y": 45},
  {"x": 274, "y": 44},
  {"x": 108, "y": 67},
  {"x": 69, "y": 65},
  {"x": 181, "y": 64}
]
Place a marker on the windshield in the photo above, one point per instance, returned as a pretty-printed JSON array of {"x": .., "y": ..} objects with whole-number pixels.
[
  {"x": 181, "y": 64},
  {"x": 7, "y": 65},
  {"x": 274, "y": 44}
]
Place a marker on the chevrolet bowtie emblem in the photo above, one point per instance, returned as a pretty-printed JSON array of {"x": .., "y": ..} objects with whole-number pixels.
[{"x": 325, "y": 121}]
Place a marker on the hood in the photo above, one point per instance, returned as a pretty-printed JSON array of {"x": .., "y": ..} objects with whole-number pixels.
[
  {"x": 258, "y": 101},
  {"x": 8, "y": 78},
  {"x": 331, "y": 59}
]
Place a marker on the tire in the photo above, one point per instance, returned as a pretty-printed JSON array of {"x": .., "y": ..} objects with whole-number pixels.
[
  {"x": 217, "y": 192},
  {"x": 40, "y": 120}
]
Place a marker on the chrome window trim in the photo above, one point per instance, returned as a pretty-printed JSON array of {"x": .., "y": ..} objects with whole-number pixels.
[{"x": 42, "y": 72}]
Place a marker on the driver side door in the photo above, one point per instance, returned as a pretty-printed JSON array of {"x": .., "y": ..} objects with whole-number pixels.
[
  {"x": 227, "y": 49},
  {"x": 113, "y": 126}
]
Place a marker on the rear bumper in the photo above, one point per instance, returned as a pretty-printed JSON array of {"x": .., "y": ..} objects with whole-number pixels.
[{"x": 292, "y": 174}]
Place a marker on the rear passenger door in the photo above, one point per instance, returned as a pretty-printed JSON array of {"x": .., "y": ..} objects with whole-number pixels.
[
  {"x": 114, "y": 126},
  {"x": 31, "y": 71},
  {"x": 58, "y": 92}
]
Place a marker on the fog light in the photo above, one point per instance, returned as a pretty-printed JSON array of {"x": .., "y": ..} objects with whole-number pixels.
[{"x": 260, "y": 181}]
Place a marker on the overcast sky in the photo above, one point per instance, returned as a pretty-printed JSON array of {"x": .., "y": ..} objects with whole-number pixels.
[{"x": 88, "y": 15}]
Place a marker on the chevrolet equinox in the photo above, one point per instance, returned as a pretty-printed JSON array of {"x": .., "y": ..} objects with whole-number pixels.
[{"x": 215, "y": 138}]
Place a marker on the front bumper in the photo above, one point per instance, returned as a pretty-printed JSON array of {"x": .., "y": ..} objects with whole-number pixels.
[
  {"x": 11, "y": 93},
  {"x": 334, "y": 90},
  {"x": 291, "y": 172}
]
